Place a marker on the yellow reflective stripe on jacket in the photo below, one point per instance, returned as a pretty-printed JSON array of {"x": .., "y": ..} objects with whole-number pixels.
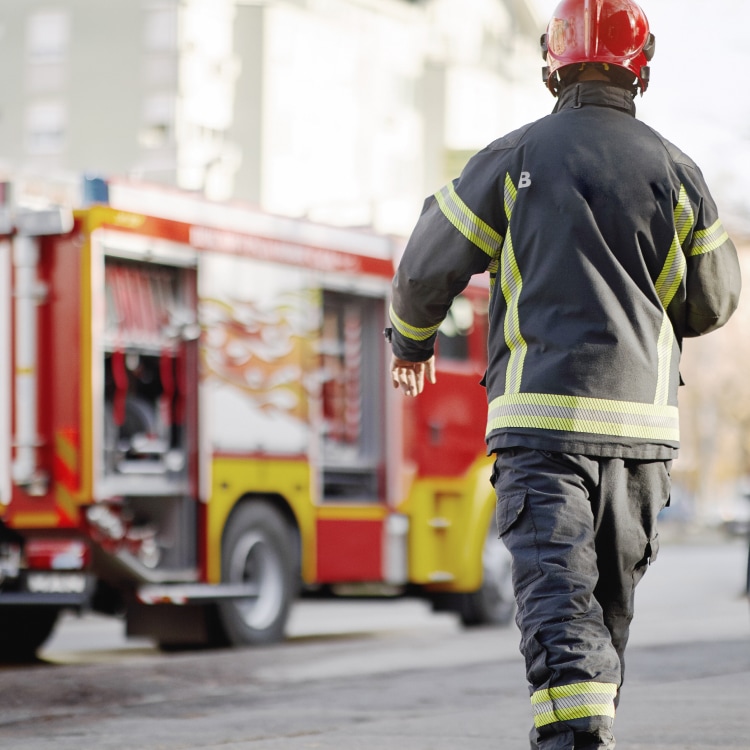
[
  {"x": 664, "y": 353},
  {"x": 667, "y": 284},
  {"x": 578, "y": 701},
  {"x": 596, "y": 416},
  {"x": 673, "y": 271},
  {"x": 409, "y": 331},
  {"x": 512, "y": 286},
  {"x": 467, "y": 222},
  {"x": 684, "y": 218},
  {"x": 511, "y": 193},
  {"x": 672, "y": 274},
  {"x": 706, "y": 240},
  {"x": 492, "y": 269}
]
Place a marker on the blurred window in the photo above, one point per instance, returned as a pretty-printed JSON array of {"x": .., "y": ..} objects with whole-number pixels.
[
  {"x": 48, "y": 36},
  {"x": 158, "y": 120},
  {"x": 45, "y": 127},
  {"x": 160, "y": 30}
]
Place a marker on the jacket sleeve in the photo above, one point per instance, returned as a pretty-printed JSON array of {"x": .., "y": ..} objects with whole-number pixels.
[
  {"x": 458, "y": 235},
  {"x": 712, "y": 273}
]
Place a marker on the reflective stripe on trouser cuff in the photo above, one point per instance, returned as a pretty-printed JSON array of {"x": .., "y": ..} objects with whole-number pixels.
[
  {"x": 580, "y": 414},
  {"x": 580, "y": 700}
]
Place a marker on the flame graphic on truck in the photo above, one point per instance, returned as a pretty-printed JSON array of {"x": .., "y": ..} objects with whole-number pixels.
[{"x": 268, "y": 352}]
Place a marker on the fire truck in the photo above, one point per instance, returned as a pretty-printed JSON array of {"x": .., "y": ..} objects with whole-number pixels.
[{"x": 197, "y": 425}]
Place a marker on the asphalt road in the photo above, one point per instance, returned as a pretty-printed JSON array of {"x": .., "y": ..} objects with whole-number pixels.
[{"x": 367, "y": 675}]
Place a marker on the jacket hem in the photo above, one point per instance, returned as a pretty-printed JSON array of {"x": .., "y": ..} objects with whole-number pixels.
[{"x": 564, "y": 443}]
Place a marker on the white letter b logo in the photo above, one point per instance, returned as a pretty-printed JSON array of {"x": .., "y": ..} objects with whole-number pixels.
[{"x": 525, "y": 180}]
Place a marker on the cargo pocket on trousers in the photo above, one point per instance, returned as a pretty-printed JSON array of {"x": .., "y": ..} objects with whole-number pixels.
[
  {"x": 509, "y": 510},
  {"x": 652, "y": 550},
  {"x": 516, "y": 528},
  {"x": 649, "y": 556}
]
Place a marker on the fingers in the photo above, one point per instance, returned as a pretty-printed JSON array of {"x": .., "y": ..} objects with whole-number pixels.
[
  {"x": 430, "y": 369},
  {"x": 410, "y": 376},
  {"x": 419, "y": 376},
  {"x": 405, "y": 377},
  {"x": 396, "y": 373}
]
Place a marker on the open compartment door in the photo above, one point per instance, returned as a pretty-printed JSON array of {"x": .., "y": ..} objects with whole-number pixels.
[{"x": 353, "y": 399}]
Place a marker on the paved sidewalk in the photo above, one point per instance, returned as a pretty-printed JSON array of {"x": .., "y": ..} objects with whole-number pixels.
[{"x": 687, "y": 684}]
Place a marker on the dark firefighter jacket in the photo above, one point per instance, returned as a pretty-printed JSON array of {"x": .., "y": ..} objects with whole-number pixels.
[{"x": 604, "y": 250}]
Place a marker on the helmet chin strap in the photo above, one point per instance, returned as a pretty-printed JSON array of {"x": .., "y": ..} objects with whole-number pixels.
[
  {"x": 551, "y": 81},
  {"x": 645, "y": 77}
]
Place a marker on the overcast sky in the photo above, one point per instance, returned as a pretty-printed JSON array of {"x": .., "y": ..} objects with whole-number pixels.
[{"x": 698, "y": 97}]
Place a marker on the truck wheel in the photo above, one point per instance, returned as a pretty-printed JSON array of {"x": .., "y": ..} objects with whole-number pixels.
[
  {"x": 493, "y": 603},
  {"x": 23, "y": 630},
  {"x": 258, "y": 550}
]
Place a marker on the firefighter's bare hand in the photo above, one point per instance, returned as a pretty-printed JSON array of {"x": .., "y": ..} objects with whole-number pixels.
[{"x": 410, "y": 376}]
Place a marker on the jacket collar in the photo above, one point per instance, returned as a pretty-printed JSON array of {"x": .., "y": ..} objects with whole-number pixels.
[{"x": 596, "y": 93}]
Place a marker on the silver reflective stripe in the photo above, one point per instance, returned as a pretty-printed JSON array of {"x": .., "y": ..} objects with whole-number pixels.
[
  {"x": 511, "y": 284},
  {"x": 684, "y": 218},
  {"x": 671, "y": 274},
  {"x": 492, "y": 269},
  {"x": 579, "y": 414},
  {"x": 707, "y": 240},
  {"x": 467, "y": 222},
  {"x": 664, "y": 349},
  {"x": 577, "y": 701},
  {"x": 670, "y": 278},
  {"x": 409, "y": 331}
]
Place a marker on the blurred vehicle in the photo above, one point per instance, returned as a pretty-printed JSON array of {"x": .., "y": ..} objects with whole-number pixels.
[{"x": 197, "y": 425}]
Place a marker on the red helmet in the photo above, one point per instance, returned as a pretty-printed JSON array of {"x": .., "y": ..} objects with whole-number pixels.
[{"x": 614, "y": 32}]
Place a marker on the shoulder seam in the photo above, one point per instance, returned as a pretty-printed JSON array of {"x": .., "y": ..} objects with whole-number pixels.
[{"x": 511, "y": 140}]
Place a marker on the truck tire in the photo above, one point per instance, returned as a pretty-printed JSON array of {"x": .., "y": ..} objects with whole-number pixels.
[
  {"x": 258, "y": 549},
  {"x": 493, "y": 603},
  {"x": 23, "y": 630}
]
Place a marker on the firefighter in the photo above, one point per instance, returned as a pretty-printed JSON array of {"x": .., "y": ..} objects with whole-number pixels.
[{"x": 604, "y": 250}]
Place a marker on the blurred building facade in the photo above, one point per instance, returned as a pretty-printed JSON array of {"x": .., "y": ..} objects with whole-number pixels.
[{"x": 345, "y": 111}]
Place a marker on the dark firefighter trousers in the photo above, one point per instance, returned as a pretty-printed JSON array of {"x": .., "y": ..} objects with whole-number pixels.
[{"x": 581, "y": 531}]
